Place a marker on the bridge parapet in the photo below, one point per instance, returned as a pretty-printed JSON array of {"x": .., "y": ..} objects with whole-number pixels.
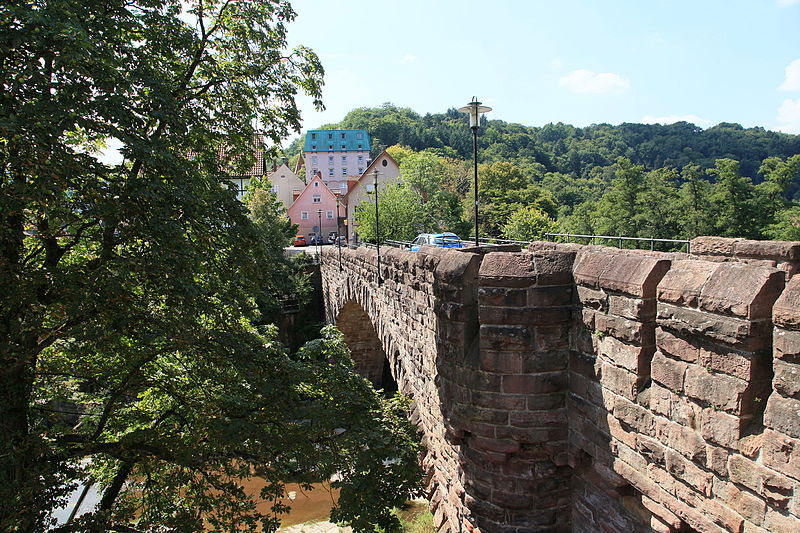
[{"x": 584, "y": 388}]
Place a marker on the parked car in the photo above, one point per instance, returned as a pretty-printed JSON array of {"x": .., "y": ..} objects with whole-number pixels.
[
  {"x": 316, "y": 239},
  {"x": 332, "y": 237},
  {"x": 443, "y": 240},
  {"x": 299, "y": 240}
]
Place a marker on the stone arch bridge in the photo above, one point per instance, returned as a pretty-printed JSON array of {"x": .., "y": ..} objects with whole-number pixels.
[{"x": 589, "y": 389}]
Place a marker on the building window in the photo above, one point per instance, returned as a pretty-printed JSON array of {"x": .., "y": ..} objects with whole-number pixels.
[
  {"x": 274, "y": 189},
  {"x": 330, "y": 159},
  {"x": 344, "y": 159},
  {"x": 359, "y": 146},
  {"x": 316, "y": 184},
  {"x": 329, "y": 214},
  {"x": 313, "y": 136},
  {"x": 342, "y": 135},
  {"x": 330, "y": 136},
  {"x": 344, "y": 172},
  {"x": 359, "y": 135},
  {"x": 330, "y": 147},
  {"x": 344, "y": 146},
  {"x": 313, "y": 146},
  {"x": 317, "y": 198},
  {"x": 370, "y": 187},
  {"x": 384, "y": 162},
  {"x": 330, "y": 172},
  {"x": 303, "y": 215},
  {"x": 314, "y": 160},
  {"x": 360, "y": 170},
  {"x": 361, "y": 159}
]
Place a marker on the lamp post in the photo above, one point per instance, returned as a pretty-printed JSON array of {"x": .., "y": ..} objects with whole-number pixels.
[
  {"x": 474, "y": 110},
  {"x": 338, "y": 233},
  {"x": 319, "y": 235},
  {"x": 377, "y": 226}
]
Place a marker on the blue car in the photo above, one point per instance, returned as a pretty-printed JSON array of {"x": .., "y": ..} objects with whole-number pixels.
[{"x": 443, "y": 240}]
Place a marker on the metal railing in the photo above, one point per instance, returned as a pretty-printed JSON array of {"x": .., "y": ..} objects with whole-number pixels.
[{"x": 619, "y": 239}]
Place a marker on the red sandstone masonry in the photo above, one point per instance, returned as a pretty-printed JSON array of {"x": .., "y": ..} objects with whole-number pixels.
[{"x": 667, "y": 363}]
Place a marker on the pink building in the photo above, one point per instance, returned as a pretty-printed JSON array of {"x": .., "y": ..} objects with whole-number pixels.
[{"x": 314, "y": 205}]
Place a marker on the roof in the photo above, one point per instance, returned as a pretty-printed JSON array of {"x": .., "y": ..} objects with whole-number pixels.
[
  {"x": 372, "y": 165},
  {"x": 336, "y": 141}
]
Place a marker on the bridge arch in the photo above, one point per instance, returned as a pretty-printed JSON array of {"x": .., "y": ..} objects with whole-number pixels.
[{"x": 365, "y": 347}]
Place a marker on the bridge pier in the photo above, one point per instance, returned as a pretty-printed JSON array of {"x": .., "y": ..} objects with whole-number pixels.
[{"x": 582, "y": 388}]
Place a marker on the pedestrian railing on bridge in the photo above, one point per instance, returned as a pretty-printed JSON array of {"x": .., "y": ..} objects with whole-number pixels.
[{"x": 618, "y": 240}]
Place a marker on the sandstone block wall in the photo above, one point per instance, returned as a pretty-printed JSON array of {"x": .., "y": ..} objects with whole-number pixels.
[{"x": 582, "y": 388}]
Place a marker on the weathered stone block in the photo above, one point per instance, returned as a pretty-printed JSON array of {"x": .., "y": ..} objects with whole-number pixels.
[
  {"x": 589, "y": 266},
  {"x": 624, "y": 329},
  {"x": 548, "y": 296},
  {"x": 787, "y": 379},
  {"x": 629, "y": 356},
  {"x": 740, "y": 333},
  {"x": 721, "y": 428},
  {"x": 502, "y": 296},
  {"x": 543, "y": 383},
  {"x": 713, "y": 246},
  {"x": 495, "y": 337},
  {"x": 779, "y": 250},
  {"x": 620, "y": 381},
  {"x": 634, "y": 274},
  {"x": 719, "y": 391},
  {"x": 786, "y": 312},
  {"x": 500, "y": 269},
  {"x": 742, "y": 290},
  {"x": 688, "y": 472},
  {"x": 786, "y": 345},
  {"x": 781, "y": 453},
  {"x": 554, "y": 267},
  {"x": 682, "y": 284},
  {"x": 668, "y": 372},
  {"x": 783, "y": 415},
  {"x": 642, "y": 309},
  {"x": 543, "y": 360},
  {"x": 591, "y": 298}
]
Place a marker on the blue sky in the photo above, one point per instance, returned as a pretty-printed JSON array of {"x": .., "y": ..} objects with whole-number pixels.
[{"x": 575, "y": 61}]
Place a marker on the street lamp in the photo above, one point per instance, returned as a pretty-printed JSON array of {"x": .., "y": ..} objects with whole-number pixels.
[
  {"x": 319, "y": 235},
  {"x": 338, "y": 232},
  {"x": 474, "y": 110},
  {"x": 377, "y": 226}
]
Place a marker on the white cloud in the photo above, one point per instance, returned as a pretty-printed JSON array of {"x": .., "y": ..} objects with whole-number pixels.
[
  {"x": 672, "y": 119},
  {"x": 788, "y": 2},
  {"x": 792, "y": 80},
  {"x": 406, "y": 59},
  {"x": 586, "y": 81},
  {"x": 789, "y": 116}
]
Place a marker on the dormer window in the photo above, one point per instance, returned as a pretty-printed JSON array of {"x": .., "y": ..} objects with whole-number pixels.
[
  {"x": 330, "y": 136},
  {"x": 342, "y": 136},
  {"x": 313, "y": 136}
]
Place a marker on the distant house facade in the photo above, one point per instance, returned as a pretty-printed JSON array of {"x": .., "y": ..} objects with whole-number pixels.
[
  {"x": 285, "y": 184},
  {"x": 360, "y": 191},
  {"x": 314, "y": 209},
  {"x": 336, "y": 155}
]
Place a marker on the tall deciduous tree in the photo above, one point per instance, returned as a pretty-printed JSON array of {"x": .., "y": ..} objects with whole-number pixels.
[{"x": 128, "y": 354}]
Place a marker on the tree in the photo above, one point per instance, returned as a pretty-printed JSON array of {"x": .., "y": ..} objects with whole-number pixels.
[
  {"x": 732, "y": 200},
  {"x": 528, "y": 224},
  {"x": 131, "y": 351},
  {"x": 693, "y": 203},
  {"x": 658, "y": 201},
  {"x": 401, "y": 215},
  {"x": 616, "y": 212}
]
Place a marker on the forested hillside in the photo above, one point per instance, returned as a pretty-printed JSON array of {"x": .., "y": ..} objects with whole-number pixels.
[{"x": 650, "y": 180}]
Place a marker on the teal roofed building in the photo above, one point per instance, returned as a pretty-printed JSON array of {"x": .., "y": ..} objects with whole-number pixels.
[{"x": 337, "y": 155}]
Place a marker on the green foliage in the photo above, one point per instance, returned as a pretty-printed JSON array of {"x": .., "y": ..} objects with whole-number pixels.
[
  {"x": 528, "y": 224},
  {"x": 130, "y": 351},
  {"x": 401, "y": 215}
]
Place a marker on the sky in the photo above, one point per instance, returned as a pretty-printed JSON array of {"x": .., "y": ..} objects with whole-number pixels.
[{"x": 580, "y": 62}]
